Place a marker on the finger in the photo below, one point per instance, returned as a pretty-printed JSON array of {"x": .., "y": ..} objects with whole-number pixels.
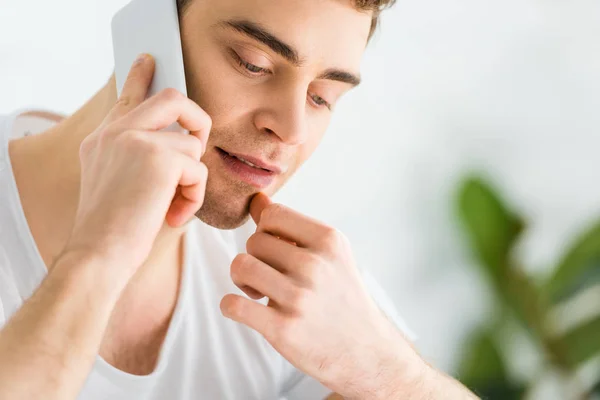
[
  {"x": 258, "y": 204},
  {"x": 290, "y": 225},
  {"x": 256, "y": 316},
  {"x": 185, "y": 144},
  {"x": 193, "y": 173},
  {"x": 253, "y": 294},
  {"x": 174, "y": 217},
  {"x": 167, "y": 107},
  {"x": 179, "y": 212},
  {"x": 203, "y": 133},
  {"x": 136, "y": 86},
  {"x": 190, "y": 193},
  {"x": 248, "y": 271},
  {"x": 273, "y": 251}
]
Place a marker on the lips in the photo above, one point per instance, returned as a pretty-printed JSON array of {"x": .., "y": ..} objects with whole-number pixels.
[
  {"x": 249, "y": 169},
  {"x": 253, "y": 161}
]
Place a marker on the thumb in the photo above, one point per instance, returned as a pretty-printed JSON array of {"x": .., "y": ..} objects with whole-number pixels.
[
  {"x": 259, "y": 202},
  {"x": 136, "y": 86}
]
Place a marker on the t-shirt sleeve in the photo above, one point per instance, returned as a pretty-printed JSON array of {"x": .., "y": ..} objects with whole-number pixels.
[{"x": 300, "y": 386}]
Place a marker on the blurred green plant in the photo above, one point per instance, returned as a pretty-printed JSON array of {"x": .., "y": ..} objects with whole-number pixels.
[{"x": 538, "y": 306}]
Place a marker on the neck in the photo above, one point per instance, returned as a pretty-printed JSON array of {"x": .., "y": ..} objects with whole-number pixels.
[{"x": 52, "y": 214}]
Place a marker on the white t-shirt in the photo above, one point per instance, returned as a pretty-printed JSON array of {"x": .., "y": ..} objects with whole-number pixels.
[{"x": 204, "y": 355}]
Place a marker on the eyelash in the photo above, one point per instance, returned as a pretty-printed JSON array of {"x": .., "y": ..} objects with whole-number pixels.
[
  {"x": 258, "y": 71},
  {"x": 319, "y": 101},
  {"x": 251, "y": 68}
]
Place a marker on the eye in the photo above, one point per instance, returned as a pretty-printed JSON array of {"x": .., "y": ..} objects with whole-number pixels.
[
  {"x": 251, "y": 68},
  {"x": 319, "y": 101}
]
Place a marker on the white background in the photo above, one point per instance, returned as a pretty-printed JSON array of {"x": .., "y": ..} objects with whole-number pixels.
[{"x": 511, "y": 87}]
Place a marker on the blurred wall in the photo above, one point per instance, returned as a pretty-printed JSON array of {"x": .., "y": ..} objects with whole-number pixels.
[{"x": 512, "y": 87}]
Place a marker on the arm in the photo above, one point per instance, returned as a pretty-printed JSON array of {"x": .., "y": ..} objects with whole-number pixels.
[
  {"x": 415, "y": 380},
  {"x": 320, "y": 316},
  {"x": 437, "y": 386},
  {"x": 48, "y": 347}
]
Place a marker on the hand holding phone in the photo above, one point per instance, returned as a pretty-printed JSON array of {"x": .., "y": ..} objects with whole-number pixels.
[
  {"x": 150, "y": 26},
  {"x": 133, "y": 178}
]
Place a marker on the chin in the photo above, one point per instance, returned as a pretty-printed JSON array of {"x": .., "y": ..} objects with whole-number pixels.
[
  {"x": 221, "y": 220},
  {"x": 225, "y": 211},
  {"x": 227, "y": 201}
]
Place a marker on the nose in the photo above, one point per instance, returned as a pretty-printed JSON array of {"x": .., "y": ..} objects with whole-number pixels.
[{"x": 284, "y": 115}]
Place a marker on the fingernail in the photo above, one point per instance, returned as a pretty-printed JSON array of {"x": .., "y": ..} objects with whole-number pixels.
[{"x": 141, "y": 58}]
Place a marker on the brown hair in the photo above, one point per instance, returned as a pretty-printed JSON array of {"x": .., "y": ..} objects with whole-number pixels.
[{"x": 374, "y": 6}]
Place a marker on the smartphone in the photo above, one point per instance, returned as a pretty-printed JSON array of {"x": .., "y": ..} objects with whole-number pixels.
[{"x": 150, "y": 26}]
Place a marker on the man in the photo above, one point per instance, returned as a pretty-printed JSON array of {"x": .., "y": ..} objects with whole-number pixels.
[{"x": 111, "y": 288}]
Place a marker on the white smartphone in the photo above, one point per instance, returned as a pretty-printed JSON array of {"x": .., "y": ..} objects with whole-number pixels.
[{"x": 150, "y": 26}]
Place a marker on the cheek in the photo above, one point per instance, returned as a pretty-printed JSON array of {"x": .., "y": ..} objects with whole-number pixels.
[
  {"x": 213, "y": 90},
  {"x": 210, "y": 82}
]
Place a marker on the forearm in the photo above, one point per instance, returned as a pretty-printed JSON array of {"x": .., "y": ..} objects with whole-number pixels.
[
  {"x": 433, "y": 385},
  {"x": 48, "y": 347},
  {"x": 414, "y": 379},
  {"x": 401, "y": 374}
]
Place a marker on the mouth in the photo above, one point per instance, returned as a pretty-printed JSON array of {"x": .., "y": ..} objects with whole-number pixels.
[{"x": 249, "y": 169}]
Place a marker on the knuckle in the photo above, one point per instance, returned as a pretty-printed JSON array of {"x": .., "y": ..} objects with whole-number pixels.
[
  {"x": 202, "y": 176},
  {"x": 206, "y": 119},
  {"x": 240, "y": 264},
  {"x": 272, "y": 212},
  {"x": 123, "y": 102},
  {"x": 331, "y": 237},
  {"x": 86, "y": 146},
  {"x": 150, "y": 148},
  {"x": 138, "y": 142},
  {"x": 311, "y": 266},
  {"x": 132, "y": 138},
  {"x": 209, "y": 120},
  {"x": 99, "y": 139},
  {"x": 310, "y": 261},
  {"x": 196, "y": 145},
  {"x": 252, "y": 243},
  {"x": 299, "y": 298},
  {"x": 170, "y": 94},
  {"x": 203, "y": 169}
]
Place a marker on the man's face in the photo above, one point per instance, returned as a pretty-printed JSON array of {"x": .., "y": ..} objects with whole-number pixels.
[{"x": 268, "y": 72}]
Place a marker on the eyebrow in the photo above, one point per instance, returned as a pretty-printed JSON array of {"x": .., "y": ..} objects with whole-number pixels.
[
  {"x": 341, "y": 76},
  {"x": 261, "y": 34}
]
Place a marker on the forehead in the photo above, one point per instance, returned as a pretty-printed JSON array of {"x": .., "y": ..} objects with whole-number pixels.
[{"x": 329, "y": 32}]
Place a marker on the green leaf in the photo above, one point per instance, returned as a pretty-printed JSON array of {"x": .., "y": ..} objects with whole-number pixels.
[
  {"x": 501, "y": 392},
  {"x": 483, "y": 371},
  {"x": 522, "y": 296},
  {"x": 583, "y": 342},
  {"x": 482, "y": 363},
  {"x": 491, "y": 227},
  {"x": 580, "y": 263},
  {"x": 596, "y": 389}
]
